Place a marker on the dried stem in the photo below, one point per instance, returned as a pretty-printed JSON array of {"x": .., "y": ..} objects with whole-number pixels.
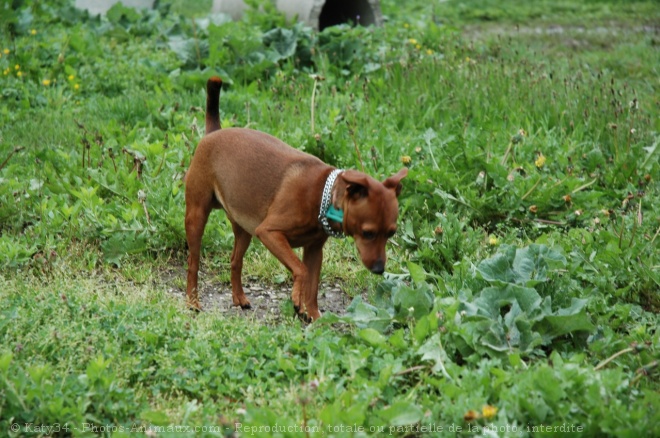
[
  {"x": 11, "y": 154},
  {"x": 614, "y": 356}
]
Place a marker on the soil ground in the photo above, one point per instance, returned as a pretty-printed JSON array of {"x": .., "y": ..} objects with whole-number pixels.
[{"x": 269, "y": 302}]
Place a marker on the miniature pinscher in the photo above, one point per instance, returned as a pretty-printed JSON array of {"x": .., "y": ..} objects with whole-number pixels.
[{"x": 287, "y": 199}]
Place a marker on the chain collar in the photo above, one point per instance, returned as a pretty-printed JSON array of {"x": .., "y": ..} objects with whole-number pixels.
[{"x": 326, "y": 202}]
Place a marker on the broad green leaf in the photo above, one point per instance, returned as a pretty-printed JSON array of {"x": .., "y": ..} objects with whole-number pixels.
[
  {"x": 549, "y": 384},
  {"x": 372, "y": 337},
  {"x": 97, "y": 368},
  {"x": 365, "y": 315},
  {"x": 286, "y": 365},
  {"x": 383, "y": 296},
  {"x": 158, "y": 418},
  {"x": 576, "y": 306},
  {"x": 650, "y": 152},
  {"x": 432, "y": 350},
  {"x": 401, "y": 414},
  {"x": 499, "y": 268},
  {"x": 412, "y": 302},
  {"x": 526, "y": 266},
  {"x": 569, "y": 320},
  {"x": 121, "y": 244},
  {"x": 282, "y": 41},
  {"x": 5, "y": 361},
  {"x": 417, "y": 273},
  {"x": 121, "y": 14},
  {"x": 338, "y": 412},
  {"x": 515, "y": 360},
  {"x": 492, "y": 299},
  {"x": 261, "y": 415},
  {"x": 495, "y": 337},
  {"x": 558, "y": 325},
  {"x": 397, "y": 340},
  {"x": 425, "y": 327},
  {"x": 527, "y": 337}
]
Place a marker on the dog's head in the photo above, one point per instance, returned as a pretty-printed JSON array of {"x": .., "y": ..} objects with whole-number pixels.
[{"x": 371, "y": 210}]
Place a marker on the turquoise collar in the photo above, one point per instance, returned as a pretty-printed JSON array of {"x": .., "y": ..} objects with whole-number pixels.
[{"x": 335, "y": 215}]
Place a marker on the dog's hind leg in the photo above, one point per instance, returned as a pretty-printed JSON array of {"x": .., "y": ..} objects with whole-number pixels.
[
  {"x": 242, "y": 240},
  {"x": 197, "y": 214}
]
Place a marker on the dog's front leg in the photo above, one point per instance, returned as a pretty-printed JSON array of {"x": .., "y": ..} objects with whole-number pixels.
[
  {"x": 312, "y": 259},
  {"x": 279, "y": 246}
]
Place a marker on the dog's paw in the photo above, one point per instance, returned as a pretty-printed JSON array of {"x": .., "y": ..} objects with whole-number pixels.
[
  {"x": 303, "y": 317},
  {"x": 242, "y": 302},
  {"x": 306, "y": 316},
  {"x": 194, "y": 306}
]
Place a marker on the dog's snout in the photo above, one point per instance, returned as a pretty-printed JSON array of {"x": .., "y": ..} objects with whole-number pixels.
[{"x": 378, "y": 267}]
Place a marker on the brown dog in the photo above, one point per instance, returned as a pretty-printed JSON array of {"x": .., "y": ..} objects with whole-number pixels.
[{"x": 288, "y": 199}]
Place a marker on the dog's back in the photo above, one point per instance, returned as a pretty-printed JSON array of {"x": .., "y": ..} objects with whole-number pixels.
[{"x": 238, "y": 158}]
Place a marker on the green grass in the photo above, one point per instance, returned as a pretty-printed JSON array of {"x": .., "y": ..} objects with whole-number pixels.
[{"x": 523, "y": 284}]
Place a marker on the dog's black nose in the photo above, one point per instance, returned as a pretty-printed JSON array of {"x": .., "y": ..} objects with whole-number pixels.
[{"x": 378, "y": 267}]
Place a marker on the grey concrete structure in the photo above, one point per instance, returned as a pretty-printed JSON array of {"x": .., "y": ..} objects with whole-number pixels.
[
  {"x": 101, "y": 6},
  {"x": 318, "y": 14}
]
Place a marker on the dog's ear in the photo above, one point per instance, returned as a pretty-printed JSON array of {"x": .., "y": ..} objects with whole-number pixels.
[
  {"x": 394, "y": 182},
  {"x": 357, "y": 184}
]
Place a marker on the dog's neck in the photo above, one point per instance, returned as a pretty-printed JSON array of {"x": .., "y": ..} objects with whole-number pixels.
[{"x": 329, "y": 211}]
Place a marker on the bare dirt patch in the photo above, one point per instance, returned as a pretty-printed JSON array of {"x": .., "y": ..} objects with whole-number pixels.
[{"x": 269, "y": 302}]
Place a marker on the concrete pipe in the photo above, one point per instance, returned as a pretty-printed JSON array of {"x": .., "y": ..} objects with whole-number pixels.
[{"x": 317, "y": 14}]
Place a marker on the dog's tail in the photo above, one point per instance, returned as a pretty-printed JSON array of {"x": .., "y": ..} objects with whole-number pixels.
[{"x": 213, "y": 86}]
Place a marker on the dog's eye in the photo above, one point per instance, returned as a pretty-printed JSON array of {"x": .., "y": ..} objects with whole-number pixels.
[
  {"x": 391, "y": 234},
  {"x": 368, "y": 235}
]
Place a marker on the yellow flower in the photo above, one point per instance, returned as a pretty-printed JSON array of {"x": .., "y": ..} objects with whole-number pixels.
[
  {"x": 33, "y": 32},
  {"x": 412, "y": 41},
  {"x": 429, "y": 52},
  {"x": 76, "y": 87},
  {"x": 406, "y": 25},
  {"x": 46, "y": 82},
  {"x": 71, "y": 77},
  {"x": 6, "y": 51},
  {"x": 540, "y": 161},
  {"x": 6, "y": 72},
  {"x": 19, "y": 74},
  {"x": 467, "y": 59},
  {"x": 489, "y": 411},
  {"x": 492, "y": 240},
  {"x": 418, "y": 46},
  {"x": 406, "y": 159},
  {"x": 17, "y": 67}
]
